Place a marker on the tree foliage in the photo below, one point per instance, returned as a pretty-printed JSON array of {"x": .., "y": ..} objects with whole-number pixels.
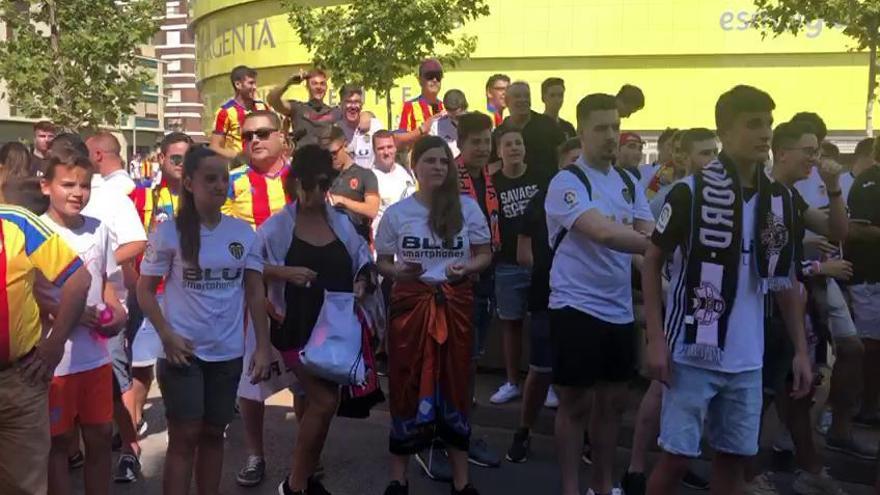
[
  {"x": 858, "y": 19},
  {"x": 73, "y": 61},
  {"x": 375, "y": 42}
]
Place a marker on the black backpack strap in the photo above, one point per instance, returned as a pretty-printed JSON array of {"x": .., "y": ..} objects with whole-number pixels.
[
  {"x": 574, "y": 169},
  {"x": 628, "y": 180}
]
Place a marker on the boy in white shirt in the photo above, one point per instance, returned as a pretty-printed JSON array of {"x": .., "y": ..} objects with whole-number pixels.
[{"x": 82, "y": 389}]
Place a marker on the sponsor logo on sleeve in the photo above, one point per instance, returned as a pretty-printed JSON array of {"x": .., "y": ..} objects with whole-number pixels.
[
  {"x": 570, "y": 198},
  {"x": 663, "y": 219}
]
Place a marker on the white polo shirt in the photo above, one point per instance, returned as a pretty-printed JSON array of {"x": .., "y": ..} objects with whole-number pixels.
[{"x": 585, "y": 275}]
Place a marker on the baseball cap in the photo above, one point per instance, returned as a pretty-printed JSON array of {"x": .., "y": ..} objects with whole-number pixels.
[
  {"x": 430, "y": 65},
  {"x": 629, "y": 137}
]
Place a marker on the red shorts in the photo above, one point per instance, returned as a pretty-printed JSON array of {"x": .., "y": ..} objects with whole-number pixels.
[{"x": 86, "y": 397}]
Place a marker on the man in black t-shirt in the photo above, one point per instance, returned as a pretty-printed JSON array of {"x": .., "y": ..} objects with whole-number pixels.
[
  {"x": 311, "y": 119},
  {"x": 516, "y": 183},
  {"x": 541, "y": 134},
  {"x": 864, "y": 237},
  {"x": 553, "y": 96},
  {"x": 355, "y": 190}
]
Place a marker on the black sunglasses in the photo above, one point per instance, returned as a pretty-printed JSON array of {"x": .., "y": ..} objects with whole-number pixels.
[
  {"x": 433, "y": 75},
  {"x": 263, "y": 134}
]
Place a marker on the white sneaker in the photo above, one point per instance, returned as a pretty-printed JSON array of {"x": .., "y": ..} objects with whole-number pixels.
[
  {"x": 551, "y": 402},
  {"x": 505, "y": 393},
  {"x": 761, "y": 485},
  {"x": 816, "y": 484}
]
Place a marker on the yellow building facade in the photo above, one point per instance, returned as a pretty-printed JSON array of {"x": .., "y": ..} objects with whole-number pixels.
[{"x": 682, "y": 53}]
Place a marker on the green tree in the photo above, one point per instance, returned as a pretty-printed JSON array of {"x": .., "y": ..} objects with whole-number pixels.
[
  {"x": 859, "y": 19},
  {"x": 375, "y": 42},
  {"x": 74, "y": 61}
]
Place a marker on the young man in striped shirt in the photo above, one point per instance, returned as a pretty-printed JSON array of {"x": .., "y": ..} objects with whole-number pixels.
[{"x": 229, "y": 118}]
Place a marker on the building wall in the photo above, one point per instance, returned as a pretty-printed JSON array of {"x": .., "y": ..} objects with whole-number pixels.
[
  {"x": 175, "y": 45},
  {"x": 682, "y": 53}
]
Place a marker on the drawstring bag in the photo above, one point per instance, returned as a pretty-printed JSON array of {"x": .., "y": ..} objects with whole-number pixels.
[{"x": 334, "y": 351}]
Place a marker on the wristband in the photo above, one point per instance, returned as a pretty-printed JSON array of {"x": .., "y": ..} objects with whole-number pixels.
[
  {"x": 811, "y": 269},
  {"x": 835, "y": 194}
]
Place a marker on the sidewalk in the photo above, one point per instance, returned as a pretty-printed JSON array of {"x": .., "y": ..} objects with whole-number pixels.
[{"x": 356, "y": 456}]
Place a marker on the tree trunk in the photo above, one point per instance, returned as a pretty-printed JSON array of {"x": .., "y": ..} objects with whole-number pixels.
[
  {"x": 388, "y": 107},
  {"x": 872, "y": 89}
]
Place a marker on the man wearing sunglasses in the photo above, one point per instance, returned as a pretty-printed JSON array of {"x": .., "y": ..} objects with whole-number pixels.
[
  {"x": 155, "y": 203},
  {"x": 419, "y": 114},
  {"x": 256, "y": 191}
]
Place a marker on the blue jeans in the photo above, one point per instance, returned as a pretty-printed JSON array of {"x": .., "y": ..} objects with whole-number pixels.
[
  {"x": 729, "y": 404},
  {"x": 512, "y": 284}
]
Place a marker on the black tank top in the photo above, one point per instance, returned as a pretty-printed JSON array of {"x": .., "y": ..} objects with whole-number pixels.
[{"x": 333, "y": 266}]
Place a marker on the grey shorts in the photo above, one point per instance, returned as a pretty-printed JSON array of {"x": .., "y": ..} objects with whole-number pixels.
[
  {"x": 202, "y": 390},
  {"x": 832, "y": 305},
  {"x": 866, "y": 309},
  {"x": 120, "y": 359}
]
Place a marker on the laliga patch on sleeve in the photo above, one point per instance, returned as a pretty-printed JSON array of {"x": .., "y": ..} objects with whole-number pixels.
[
  {"x": 570, "y": 198},
  {"x": 663, "y": 219},
  {"x": 149, "y": 252}
]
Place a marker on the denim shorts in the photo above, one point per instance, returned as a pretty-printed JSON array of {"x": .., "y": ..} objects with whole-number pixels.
[
  {"x": 729, "y": 404},
  {"x": 512, "y": 284}
]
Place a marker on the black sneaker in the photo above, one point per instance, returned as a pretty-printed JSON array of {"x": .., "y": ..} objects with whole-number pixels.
[
  {"x": 519, "y": 449},
  {"x": 314, "y": 487},
  {"x": 76, "y": 461},
  {"x": 434, "y": 464},
  {"x": 284, "y": 489},
  {"x": 693, "y": 480},
  {"x": 252, "y": 473},
  {"x": 127, "y": 469},
  {"x": 633, "y": 483},
  {"x": 479, "y": 454},
  {"x": 395, "y": 488},
  {"x": 467, "y": 490}
]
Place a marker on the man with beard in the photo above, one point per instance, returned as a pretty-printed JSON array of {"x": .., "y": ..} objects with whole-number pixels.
[{"x": 226, "y": 139}]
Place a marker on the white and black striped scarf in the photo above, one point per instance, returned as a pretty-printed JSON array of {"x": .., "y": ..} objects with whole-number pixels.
[{"x": 712, "y": 263}]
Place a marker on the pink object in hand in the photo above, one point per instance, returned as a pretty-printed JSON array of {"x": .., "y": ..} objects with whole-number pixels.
[{"x": 105, "y": 316}]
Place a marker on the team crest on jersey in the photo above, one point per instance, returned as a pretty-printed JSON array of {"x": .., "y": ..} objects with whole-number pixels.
[
  {"x": 353, "y": 183},
  {"x": 161, "y": 217},
  {"x": 663, "y": 218},
  {"x": 627, "y": 195},
  {"x": 236, "y": 249},
  {"x": 570, "y": 198},
  {"x": 708, "y": 304}
]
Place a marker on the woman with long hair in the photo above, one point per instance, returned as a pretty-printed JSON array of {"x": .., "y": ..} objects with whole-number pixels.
[
  {"x": 15, "y": 159},
  {"x": 309, "y": 248},
  {"x": 431, "y": 244},
  {"x": 212, "y": 274}
]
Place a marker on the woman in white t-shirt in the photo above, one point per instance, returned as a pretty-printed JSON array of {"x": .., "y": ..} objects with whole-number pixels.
[
  {"x": 210, "y": 269},
  {"x": 439, "y": 239}
]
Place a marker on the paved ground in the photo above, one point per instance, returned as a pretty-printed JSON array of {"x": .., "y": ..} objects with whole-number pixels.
[{"x": 356, "y": 455}]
